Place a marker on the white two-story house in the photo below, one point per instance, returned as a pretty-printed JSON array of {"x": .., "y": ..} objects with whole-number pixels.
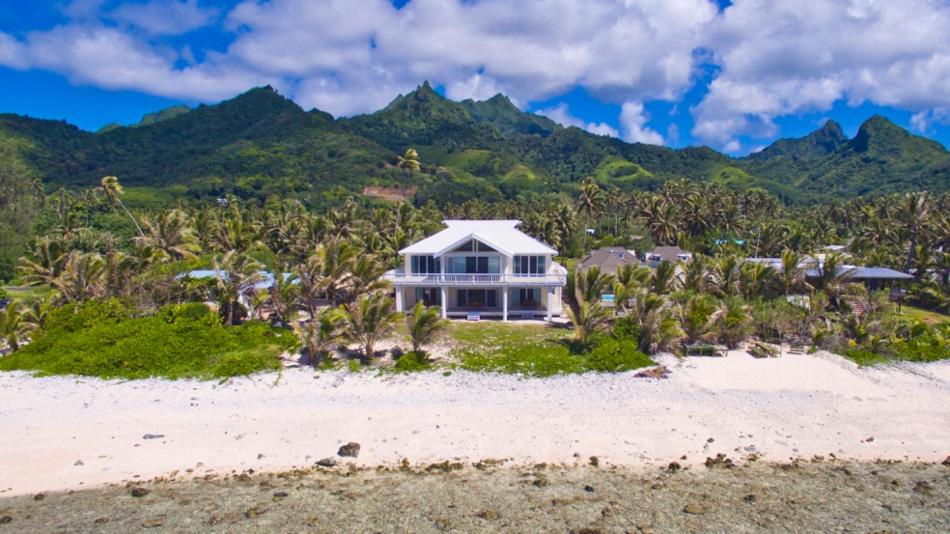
[{"x": 481, "y": 269}]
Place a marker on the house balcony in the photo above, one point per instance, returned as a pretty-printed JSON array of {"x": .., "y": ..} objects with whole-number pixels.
[{"x": 401, "y": 278}]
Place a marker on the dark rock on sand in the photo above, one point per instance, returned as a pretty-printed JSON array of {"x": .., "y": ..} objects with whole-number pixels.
[
  {"x": 327, "y": 462},
  {"x": 924, "y": 487},
  {"x": 694, "y": 509},
  {"x": 154, "y": 522},
  {"x": 153, "y": 436},
  {"x": 721, "y": 460},
  {"x": 594, "y": 461},
  {"x": 589, "y": 488},
  {"x": 79, "y": 463},
  {"x": 39, "y": 496},
  {"x": 5, "y": 519},
  {"x": 139, "y": 492},
  {"x": 351, "y": 449},
  {"x": 674, "y": 467}
]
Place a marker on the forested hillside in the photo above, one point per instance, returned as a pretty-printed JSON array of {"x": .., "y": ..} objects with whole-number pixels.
[{"x": 261, "y": 145}]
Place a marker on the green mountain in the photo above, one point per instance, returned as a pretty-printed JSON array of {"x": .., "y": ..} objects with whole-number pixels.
[
  {"x": 261, "y": 145},
  {"x": 882, "y": 158}
]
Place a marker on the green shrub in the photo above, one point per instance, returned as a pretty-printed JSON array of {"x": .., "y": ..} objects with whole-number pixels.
[
  {"x": 611, "y": 355},
  {"x": 412, "y": 362},
  {"x": 862, "y": 356},
  {"x": 354, "y": 366},
  {"x": 102, "y": 339},
  {"x": 607, "y": 355}
]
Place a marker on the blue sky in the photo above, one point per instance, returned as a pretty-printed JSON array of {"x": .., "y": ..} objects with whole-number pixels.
[{"x": 734, "y": 76}]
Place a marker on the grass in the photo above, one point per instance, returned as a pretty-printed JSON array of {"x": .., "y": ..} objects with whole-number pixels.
[
  {"x": 536, "y": 350},
  {"x": 25, "y": 293},
  {"x": 104, "y": 340},
  {"x": 926, "y": 316}
]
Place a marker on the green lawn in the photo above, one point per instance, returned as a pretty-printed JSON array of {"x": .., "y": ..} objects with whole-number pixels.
[
  {"x": 927, "y": 316},
  {"x": 24, "y": 293},
  {"x": 492, "y": 335},
  {"x": 537, "y": 350}
]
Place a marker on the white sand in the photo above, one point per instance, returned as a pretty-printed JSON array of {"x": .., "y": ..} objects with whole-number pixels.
[{"x": 793, "y": 406}]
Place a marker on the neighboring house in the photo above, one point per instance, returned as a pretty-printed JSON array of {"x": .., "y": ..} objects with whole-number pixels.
[
  {"x": 481, "y": 269},
  {"x": 670, "y": 254},
  {"x": 608, "y": 259},
  {"x": 872, "y": 277}
]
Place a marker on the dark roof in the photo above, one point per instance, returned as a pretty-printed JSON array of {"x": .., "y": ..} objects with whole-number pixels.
[
  {"x": 608, "y": 259},
  {"x": 669, "y": 253},
  {"x": 865, "y": 273}
]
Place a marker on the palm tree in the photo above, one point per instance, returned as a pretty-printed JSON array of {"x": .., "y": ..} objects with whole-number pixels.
[
  {"x": 832, "y": 280},
  {"x": 753, "y": 278},
  {"x": 322, "y": 332},
  {"x": 630, "y": 279},
  {"x": 50, "y": 259},
  {"x": 725, "y": 275},
  {"x": 113, "y": 189},
  {"x": 14, "y": 325},
  {"x": 588, "y": 319},
  {"x": 663, "y": 278},
  {"x": 409, "y": 160},
  {"x": 662, "y": 219},
  {"x": 590, "y": 284},
  {"x": 696, "y": 316},
  {"x": 915, "y": 212},
  {"x": 172, "y": 234},
  {"x": 82, "y": 276},
  {"x": 656, "y": 323},
  {"x": 283, "y": 296},
  {"x": 424, "y": 324},
  {"x": 732, "y": 321},
  {"x": 696, "y": 276},
  {"x": 591, "y": 203},
  {"x": 236, "y": 275},
  {"x": 369, "y": 319},
  {"x": 791, "y": 277}
]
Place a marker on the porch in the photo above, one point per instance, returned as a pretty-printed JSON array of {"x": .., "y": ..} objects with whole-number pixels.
[{"x": 502, "y": 302}]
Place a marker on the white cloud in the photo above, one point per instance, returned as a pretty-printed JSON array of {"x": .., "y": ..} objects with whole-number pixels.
[
  {"x": 562, "y": 115},
  {"x": 785, "y": 57},
  {"x": 164, "y": 17},
  {"x": 774, "y": 57},
  {"x": 633, "y": 122},
  {"x": 113, "y": 59},
  {"x": 924, "y": 120}
]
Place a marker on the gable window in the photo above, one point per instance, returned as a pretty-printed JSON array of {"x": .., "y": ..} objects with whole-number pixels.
[
  {"x": 425, "y": 265},
  {"x": 474, "y": 245},
  {"x": 529, "y": 265}
]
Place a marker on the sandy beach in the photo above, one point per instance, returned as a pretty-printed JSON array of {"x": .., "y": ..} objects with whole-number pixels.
[{"x": 63, "y": 433}]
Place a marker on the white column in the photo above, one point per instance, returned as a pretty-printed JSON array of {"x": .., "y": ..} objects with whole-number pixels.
[
  {"x": 445, "y": 302},
  {"x": 549, "y": 303},
  {"x": 399, "y": 304},
  {"x": 504, "y": 303}
]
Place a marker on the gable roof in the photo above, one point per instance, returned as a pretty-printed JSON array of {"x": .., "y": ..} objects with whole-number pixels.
[
  {"x": 503, "y": 236},
  {"x": 609, "y": 258}
]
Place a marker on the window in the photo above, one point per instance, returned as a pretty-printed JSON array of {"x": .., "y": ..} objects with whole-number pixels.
[
  {"x": 473, "y": 264},
  {"x": 477, "y": 298},
  {"x": 430, "y": 296},
  {"x": 474, "y": 245},
  {"x": 424, "y": 265},
  {"x": 529, "y": 265}
]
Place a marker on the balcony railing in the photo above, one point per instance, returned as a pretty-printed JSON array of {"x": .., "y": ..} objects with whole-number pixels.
[{"x": 468, "y": 280}]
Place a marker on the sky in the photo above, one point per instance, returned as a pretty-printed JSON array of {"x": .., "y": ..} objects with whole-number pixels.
[{"x": 731, "y": 75}]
